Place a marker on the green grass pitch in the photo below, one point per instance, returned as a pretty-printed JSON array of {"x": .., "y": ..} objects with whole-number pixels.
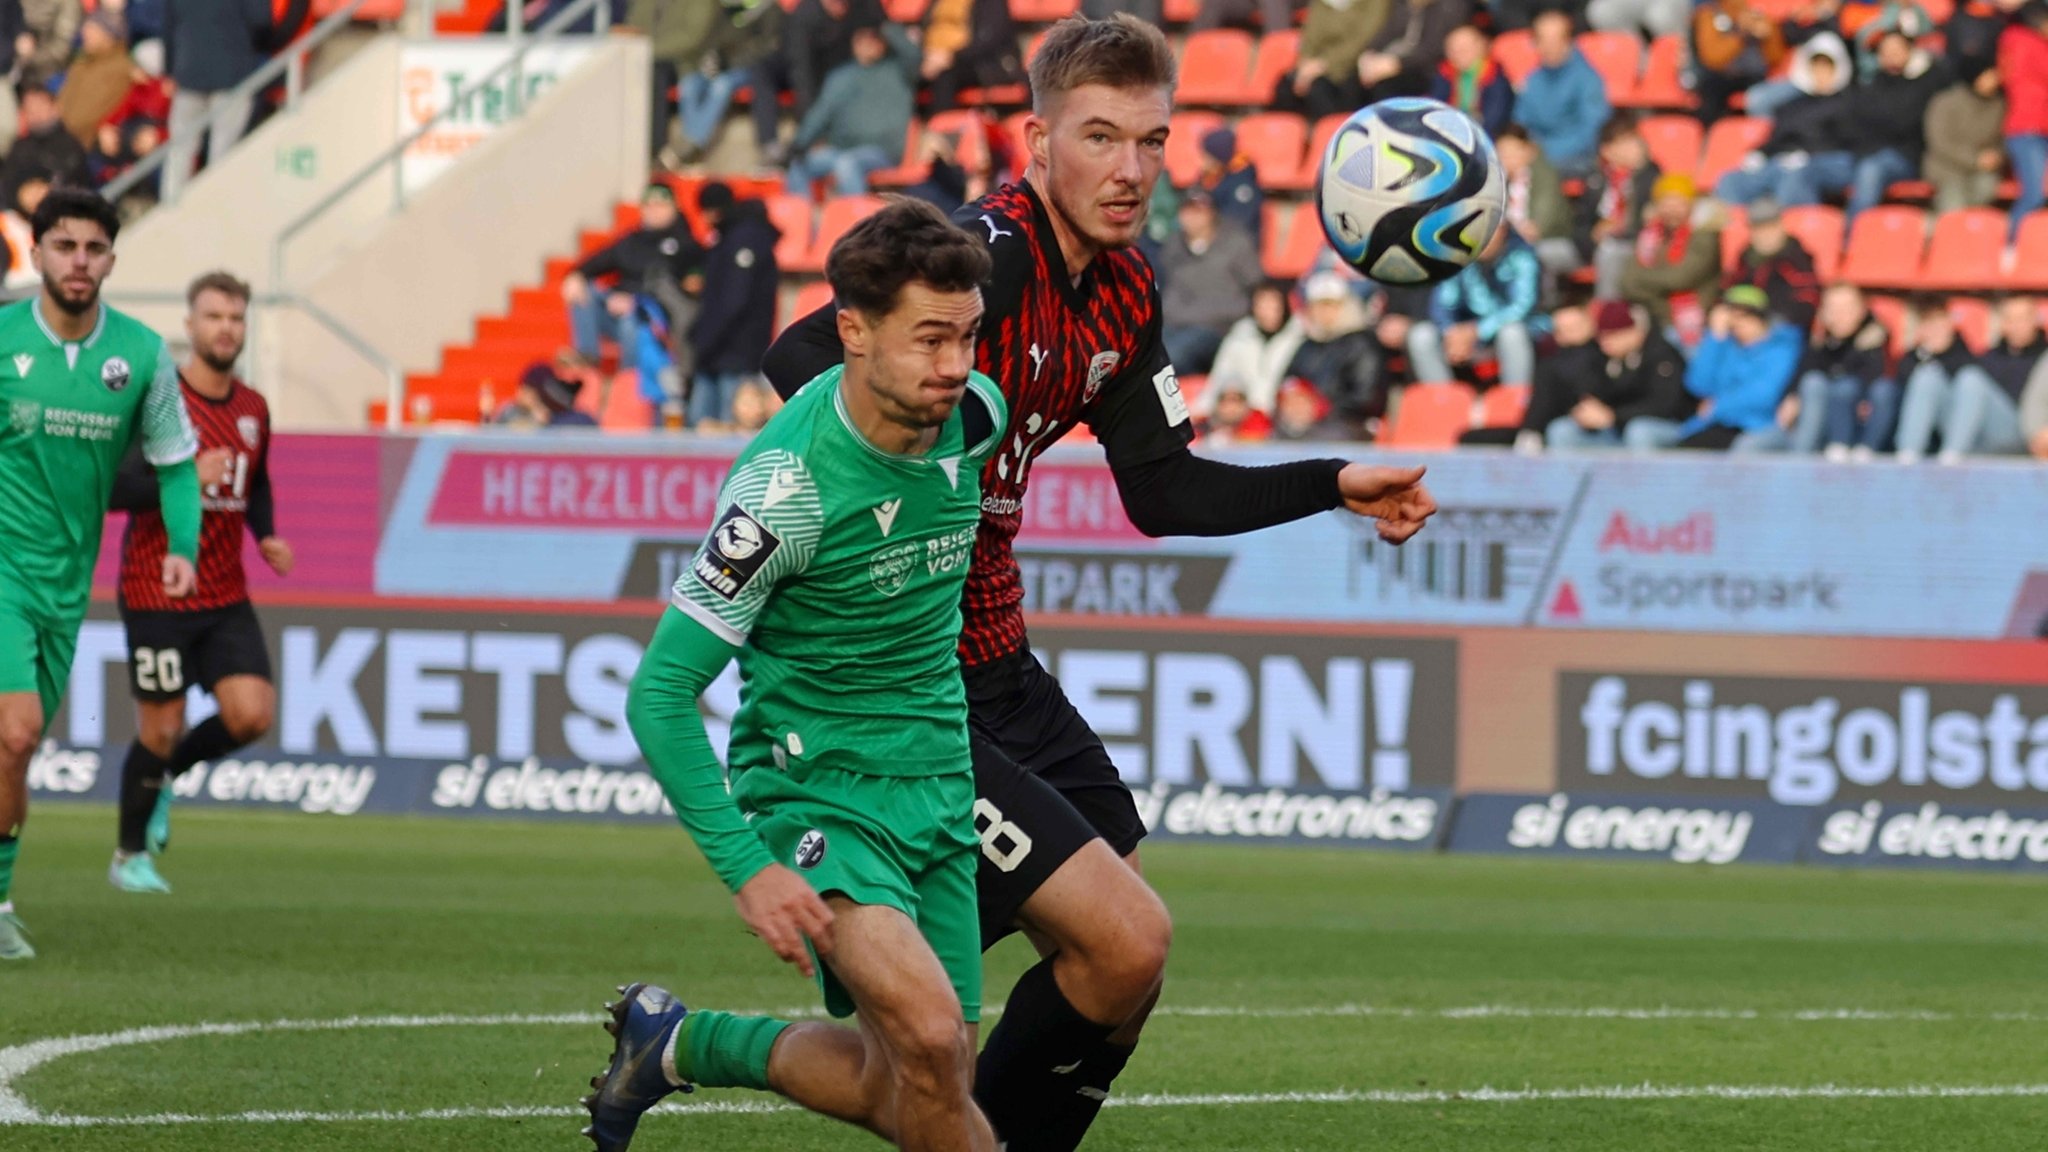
[{"x": 1407, "y": 982}]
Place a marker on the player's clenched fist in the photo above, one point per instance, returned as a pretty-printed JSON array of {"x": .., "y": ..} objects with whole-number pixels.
[
  {"x": 180, "y": 580},
  {"x": 784, "y": 911},
  {"x": 1393, "y": 496}
]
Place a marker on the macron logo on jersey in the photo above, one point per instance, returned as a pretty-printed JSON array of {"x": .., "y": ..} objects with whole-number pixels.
[
  {"x": 24, "y": 362},
  {"x": 782, "y": 485},
  {"x": 885, "y": 514}
]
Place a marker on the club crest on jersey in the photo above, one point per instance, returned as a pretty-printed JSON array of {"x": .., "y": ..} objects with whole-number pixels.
[
  {"x": 891, "y": 567},
  {"x": 250, "y": 428},
  {"x": 114, "y": 373},
  {"x": 25, "y": 415},
  {"x": 1099, "y": 371},
  {"x": 810, "y": 849},
  {"x": 735, "y": 552}
]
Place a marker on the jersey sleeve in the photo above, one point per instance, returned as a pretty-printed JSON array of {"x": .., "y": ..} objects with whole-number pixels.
[
  {"x": 767, "y": 531},
  {"x": 1141, "y": 416},
  {"x": 986, "y": 421},
  {"x": 1009, "y": 249},
  {"x": 167, "y": 435}
]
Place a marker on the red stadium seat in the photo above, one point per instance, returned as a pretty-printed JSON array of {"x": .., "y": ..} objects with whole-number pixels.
[
  {"x": 1890, "y": 312},
  {"x": 1278, "y": 53},
  {"x": 1734, "y": 237},
  {"x": 1660, "y": 86},
  {"x": 1184, "y": 146},
  {"x": 1618, "y": 58},
  {"x": 815, "y": 294},
  {"x": 1885, "y": 246},
  {"x": 839, "y": 218},
  {"x": 1318, "y": 142},
  {"x": 1515, "y": 52},
  {"x": 1503, "y": 406},
  {"x": 1973, "y": 321},
  {"x": 1294, "y": 236},
  {"x": 2030, "y": 266},
  {"x": 1429, "y": 416},
  {"x": 1216, "y": 69},
  {"x": 1275, "y": 142},
  {"x": 1191, "y": 389},
  {"x": 905, "y": 11},
  {"x": 1013, "y": 125},
  {"x": 1731, "y": 138},
  {"x": 911, "y": 170},
  {"x": 1819, "y": 228},
  {"x": 625, "y": 410},
  {"x": 1182, "y": 11},
  {"x": 1031, "y": 49},
  {"x": 792, "y": 216},
  {"x": 1042, "y": 11},
  {"x": 1963, "y": 256},
  {"x": 1674, "y": 142}
]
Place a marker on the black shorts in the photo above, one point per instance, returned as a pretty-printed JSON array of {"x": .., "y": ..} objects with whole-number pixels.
[
  {"x": 1044, "y": 786},
  {"x": 170, "y": 651}
]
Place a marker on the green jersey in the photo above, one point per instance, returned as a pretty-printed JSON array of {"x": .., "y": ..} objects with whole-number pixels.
[
  {"x": 838, "y": 568},
  {"x": 72, "y": 411}
]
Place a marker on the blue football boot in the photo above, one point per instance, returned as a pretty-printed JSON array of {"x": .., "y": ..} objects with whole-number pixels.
[{"x": 642, "y": 1022}]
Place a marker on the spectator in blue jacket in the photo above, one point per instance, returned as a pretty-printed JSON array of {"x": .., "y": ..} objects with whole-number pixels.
[
  {"x": 1470, "y": 81},
  {"x": 1741, "y": 372},
  {"x": 862, "y": 116},
  {"x": 1563, "y": 103},
  {"x": 1490, "y": 306},
  {"x": 736, "y": 321}
]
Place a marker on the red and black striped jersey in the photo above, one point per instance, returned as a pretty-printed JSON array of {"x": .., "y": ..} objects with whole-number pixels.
[
  {"x": 1066, "y": 352},
  {"x": 239, "y": 423}
]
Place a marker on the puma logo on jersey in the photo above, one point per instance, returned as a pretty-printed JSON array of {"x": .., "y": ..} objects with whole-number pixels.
[
  {"x": 885, "y": 514},
  {"x": 994, "y": 233},
  {"x": 23, "y": 363},
  {"x": 782, "y": 484},
  {"x": 1037, "y": 362}
]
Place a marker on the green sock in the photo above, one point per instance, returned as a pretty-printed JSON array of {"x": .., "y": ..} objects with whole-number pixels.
[
  {"x": 728, "y": 1051},
  {"x": 9, "y": 845}
]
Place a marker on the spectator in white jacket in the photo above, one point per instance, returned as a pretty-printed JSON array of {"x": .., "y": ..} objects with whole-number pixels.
[{"x": 1255, "y": 352}]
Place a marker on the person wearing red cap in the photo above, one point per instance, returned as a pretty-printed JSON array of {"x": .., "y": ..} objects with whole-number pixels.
[{"x": 1640, "y": 375}]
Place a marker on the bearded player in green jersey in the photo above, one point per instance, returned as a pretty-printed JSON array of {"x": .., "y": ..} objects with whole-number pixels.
[
  {"x": 80, "y": 382},
  {"x": 834, "y": 573}
]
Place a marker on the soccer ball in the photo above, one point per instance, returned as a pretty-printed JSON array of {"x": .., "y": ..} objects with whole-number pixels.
[{"x": 1410, "y": 191}]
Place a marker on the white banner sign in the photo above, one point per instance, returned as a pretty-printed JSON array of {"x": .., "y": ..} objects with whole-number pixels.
[{"x": 431, "y": 73}]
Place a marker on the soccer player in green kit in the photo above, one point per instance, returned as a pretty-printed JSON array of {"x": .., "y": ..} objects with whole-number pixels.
[
  {"x": 834, "y": 572},
  {"x": 79, "y": 381}
]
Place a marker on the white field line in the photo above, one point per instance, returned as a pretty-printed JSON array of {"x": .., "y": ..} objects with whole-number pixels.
[
  {"x": 1616, "y": 1092},
  {"x": 20, "y": 1059}
]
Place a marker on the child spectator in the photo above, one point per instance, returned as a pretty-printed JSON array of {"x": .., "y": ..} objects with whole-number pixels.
[
  {"x": 1609, "y": 214},
  {"x": 1233, "y": 420},
  {"x": 752, "y": 405},
  {"x": 1471, "y": 82},
  {"x": 1490, "y": 307},
  {"x": 1848, "y": 406}
]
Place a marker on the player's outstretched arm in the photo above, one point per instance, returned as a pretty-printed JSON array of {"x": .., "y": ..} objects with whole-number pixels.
[{"x": 661, "y": 709}]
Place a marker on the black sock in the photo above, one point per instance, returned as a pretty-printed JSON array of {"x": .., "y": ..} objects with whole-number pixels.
[
  {"x": 1028, "y": 1080},
  {"x": 143, "y": 775},
  {"x": 1066, "y": 1117},
  {"x": 209, "y": 741}
]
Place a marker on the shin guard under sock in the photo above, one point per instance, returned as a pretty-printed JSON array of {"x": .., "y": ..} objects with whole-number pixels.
[{"x": 1028, "y": 1080}]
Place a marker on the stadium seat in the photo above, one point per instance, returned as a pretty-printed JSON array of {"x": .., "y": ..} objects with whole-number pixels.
[
  {"x": 1660, "y": 85},
  {"x": 1429, "y": 416},
  {"x": 1191, "y": 389},
  {"x": 1819, "y": 228},
  {"x": 1674, "y": 142},
  {"x": 1734, "y": 236},
  {"x": 1963, "y": 255},
  {"x": 1318, "y": 142},
  {"x": 1294, "y": 236},
  {"x": 905, "y": 11},
  {"x": 839, "y": 218},
  {"x": 967, "y": 125},
  {"x": 1184, "y": 146},
  {"x": 1972, "y": 317},
  {"x": 1618, "y": 58},
  {"x": 911, "y": 170},
  {"x": 1278, "y": 52},
  {"x": 1042, "y": 11},
  {"x": 1884, "y": 247},
  {"x": 1013, "y": 125},
  {"x": 2030, "y": 266},
  {"x": 1031, "y": 49},
  {"x": 1731, "y": 138},
  {"x": 1275, "y": 142},
  {"x": 1503, "y": 405},
  {"x": 1216, "y": 69},
  {"x": 1182, "y": 11},
  {"x": 815, "y": 294},
  {"x": 1515, "y": 52},
  {"x": 625, "y": 410},
  {"x": 792, "y": 216},
  {"x": 1890, "y": 312}
]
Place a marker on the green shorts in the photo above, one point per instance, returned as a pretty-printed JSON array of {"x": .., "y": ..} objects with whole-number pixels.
[
  {"x": 902, "y": 842},
  {"x": 35, "y": 657}
]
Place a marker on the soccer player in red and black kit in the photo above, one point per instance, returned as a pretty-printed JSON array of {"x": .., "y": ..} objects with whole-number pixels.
[
  {"x": 1072, "y": 334},
  {"x": 211, "y": 638}
]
